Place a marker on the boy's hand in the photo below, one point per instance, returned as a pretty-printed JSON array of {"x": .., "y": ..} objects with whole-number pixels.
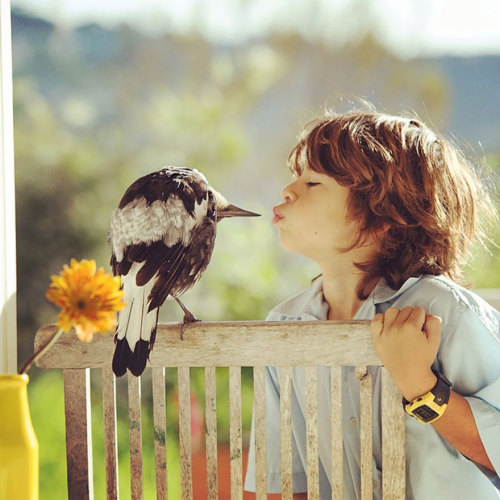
[{"x": 407, "y": 342}]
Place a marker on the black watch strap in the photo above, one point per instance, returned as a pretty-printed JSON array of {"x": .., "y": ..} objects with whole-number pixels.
[{"x": 441, "y": 390}]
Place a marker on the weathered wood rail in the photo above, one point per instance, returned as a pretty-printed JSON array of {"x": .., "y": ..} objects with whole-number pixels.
[{"x": 233, "y": 345}]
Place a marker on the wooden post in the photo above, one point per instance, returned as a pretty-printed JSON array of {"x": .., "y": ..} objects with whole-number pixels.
[
  {"x": 211, "y": 432},
  {"x": 135, "y": 436},
  {"x": 110, "y": 441},
  {"x": 8, "y": 323},
  {"x": 235, "y": 439},
  {"x": 78, "y": 434},
  {"x": 160, "y": 432}
]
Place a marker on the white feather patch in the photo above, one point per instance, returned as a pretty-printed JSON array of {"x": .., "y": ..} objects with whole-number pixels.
[
  {"x": 139, "y": 222},
  {"x": 134, "y": 321}
]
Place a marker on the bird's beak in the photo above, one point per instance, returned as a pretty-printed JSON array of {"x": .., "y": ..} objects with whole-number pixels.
[{"x": 233, "y": 211}]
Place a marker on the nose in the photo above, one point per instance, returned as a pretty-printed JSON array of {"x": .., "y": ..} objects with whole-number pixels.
[{"x": 288, "y": 193}]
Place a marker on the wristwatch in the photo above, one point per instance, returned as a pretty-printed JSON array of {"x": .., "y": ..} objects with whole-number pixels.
[{"x": 430, "y": 406}]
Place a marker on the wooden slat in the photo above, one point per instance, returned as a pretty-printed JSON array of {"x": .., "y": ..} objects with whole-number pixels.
[
  {"x": 78, "y": 434},
  {"x": 160, "y": 432},
  {"x": 110, "y": 442},
  {"x": 393, "y": 440},
  {"x": 337, "y": 444},
  {"x": 235, "y": 443},
  {"x": 213, "y": 344},
  {"x": 135, "y": 436},
  {"x": 365, "y": 431},
  {"x": 311, "y": 376},
  {"x": 286, "y": 433},
  {"x": 185, "y": 433},
  {"x": 211, "y": 432},
  {"x": 259, "y": 400}
]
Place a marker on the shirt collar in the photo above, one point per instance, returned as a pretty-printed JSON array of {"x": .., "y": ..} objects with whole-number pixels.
[
  {"x": 384, "y": 293},
  {"x": 314, "y": 307}
]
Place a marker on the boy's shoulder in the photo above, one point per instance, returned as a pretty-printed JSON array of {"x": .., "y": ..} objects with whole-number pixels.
[
  {"x": 432, "y": 288},
  {"x": 441, "y": 296}
]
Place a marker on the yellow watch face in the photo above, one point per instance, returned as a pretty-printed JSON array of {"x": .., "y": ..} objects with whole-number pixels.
[{"x": 425, "y": 409}]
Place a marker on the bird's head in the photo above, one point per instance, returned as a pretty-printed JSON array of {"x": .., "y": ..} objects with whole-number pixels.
[{"x": 225, "y": 209}]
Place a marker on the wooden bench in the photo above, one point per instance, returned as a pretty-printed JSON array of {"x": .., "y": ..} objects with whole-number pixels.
[{"x": 233, "y": 345}]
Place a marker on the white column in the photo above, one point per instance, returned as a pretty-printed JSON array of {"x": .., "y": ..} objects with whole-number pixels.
[{"x": 8, "y": 323}]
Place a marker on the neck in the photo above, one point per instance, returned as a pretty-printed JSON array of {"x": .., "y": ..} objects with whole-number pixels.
[
  {"x": 340, "y": 292},
  {"x": 341, "y": 279}
]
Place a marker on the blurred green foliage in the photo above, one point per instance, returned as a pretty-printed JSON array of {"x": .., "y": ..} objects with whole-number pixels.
[{"x": 86, "y": 127}]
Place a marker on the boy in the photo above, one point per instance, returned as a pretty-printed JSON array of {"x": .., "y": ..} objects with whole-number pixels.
[{"x": 388, "y": 209}]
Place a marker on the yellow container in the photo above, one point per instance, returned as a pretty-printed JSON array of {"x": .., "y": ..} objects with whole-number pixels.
[{"x": 18, "y": 442}]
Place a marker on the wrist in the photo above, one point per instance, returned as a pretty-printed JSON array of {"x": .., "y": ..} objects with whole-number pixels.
[{"x": 418, "y": 386}]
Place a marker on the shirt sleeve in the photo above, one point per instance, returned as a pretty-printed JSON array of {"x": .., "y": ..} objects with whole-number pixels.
[{"x": 470, "y": 357}]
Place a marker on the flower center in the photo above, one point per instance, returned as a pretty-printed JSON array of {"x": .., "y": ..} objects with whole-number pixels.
[{"x": 80, "y": 304}]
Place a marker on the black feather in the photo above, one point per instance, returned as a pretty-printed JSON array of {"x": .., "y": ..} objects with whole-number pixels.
[
  {"x": 121, "y": 357},
  {"x": 158, "y": 254},
  {"x": 139, "y": 357},
  {"x": 137, "y": 253},
  {"x": 159, "y": 186},
  {"x": 169, "y": 274}
]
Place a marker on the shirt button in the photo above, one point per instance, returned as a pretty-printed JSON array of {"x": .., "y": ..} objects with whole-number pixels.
[{"x": 353, "y": 422}]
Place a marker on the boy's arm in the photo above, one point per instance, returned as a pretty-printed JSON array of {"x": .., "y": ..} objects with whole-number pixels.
[
  {"x": 407, "y": 342},
  {"x": 458, "y": 427}
]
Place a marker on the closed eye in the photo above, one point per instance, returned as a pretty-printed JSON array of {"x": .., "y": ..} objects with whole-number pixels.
[{"x": 311, "y": 184}]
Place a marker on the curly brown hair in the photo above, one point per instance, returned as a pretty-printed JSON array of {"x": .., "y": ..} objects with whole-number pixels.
[{"x": 408, "y": 187}]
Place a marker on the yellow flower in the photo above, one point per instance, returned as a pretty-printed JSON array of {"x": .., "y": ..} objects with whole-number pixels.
[{"x": 88, "y": 298}]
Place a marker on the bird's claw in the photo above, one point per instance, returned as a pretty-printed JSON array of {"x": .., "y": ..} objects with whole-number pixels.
[{"x": 188, "y": 319}]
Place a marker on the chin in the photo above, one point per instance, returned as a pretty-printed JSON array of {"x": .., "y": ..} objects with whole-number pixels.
[{"x": 293, "y": 247}]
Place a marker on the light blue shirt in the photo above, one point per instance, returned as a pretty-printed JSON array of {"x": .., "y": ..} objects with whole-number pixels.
[{"x": 469, "y": 356}]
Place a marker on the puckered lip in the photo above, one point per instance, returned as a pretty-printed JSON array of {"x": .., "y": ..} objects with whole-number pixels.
[{"x": 277, "y": 215}]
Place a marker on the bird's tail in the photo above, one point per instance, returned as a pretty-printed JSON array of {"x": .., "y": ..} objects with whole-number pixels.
[{"x": 135, "y": 333}]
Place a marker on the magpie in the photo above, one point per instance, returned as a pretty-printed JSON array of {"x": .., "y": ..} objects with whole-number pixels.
[{"x": 162, "y": 236}]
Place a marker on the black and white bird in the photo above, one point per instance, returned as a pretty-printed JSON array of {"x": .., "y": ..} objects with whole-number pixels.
[{"x": 162, "y": 237}]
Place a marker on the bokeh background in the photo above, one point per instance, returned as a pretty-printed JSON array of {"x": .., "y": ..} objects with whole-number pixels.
[{"x": 105, "y": 92}]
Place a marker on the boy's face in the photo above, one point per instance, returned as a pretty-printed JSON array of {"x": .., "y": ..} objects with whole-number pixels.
[{"x": 313, "y": 218}]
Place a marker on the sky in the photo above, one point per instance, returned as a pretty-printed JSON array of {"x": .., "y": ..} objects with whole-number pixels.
[{"x": 408, "y": 27}]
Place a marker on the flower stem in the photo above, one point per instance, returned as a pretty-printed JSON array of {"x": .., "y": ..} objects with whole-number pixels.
[{"x": 41, "y": 351}]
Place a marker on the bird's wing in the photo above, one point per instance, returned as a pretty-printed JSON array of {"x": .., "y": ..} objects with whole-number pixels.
[
  {"x": 168, "y": 275},
  {"x": 164, "y": 265}
]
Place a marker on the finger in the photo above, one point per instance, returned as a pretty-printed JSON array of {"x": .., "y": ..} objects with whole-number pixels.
[
  {"x": 403, "y": 315},
  {"x": 377, "y": 325},
  {"x": 417, "y": 317},
  {"x": 390, "y": 316},
  {"x": 432, "y": 328}
]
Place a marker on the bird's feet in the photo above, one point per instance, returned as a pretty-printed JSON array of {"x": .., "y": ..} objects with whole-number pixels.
[{"x": 188, "y": 318}]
